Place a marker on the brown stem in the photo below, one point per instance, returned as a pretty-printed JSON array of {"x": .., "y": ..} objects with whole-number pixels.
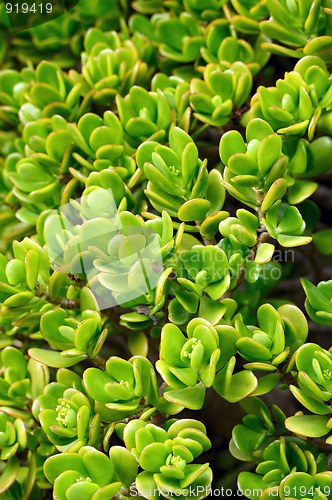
[
  {"x": 63, "y": 302},
  {"x": 100, "y": 361},
  {"x": 206, "y": 241}
]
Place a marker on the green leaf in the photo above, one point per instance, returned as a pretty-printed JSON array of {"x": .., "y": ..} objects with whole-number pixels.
[
  {"x": 94, "y": 381},
  {"x": 153, "y": 457},
  {"x": 54, "y": 359},
  {"x": 242, "y": 384},
  {"x": 57, "y": 464},
  {"x": 252, "y": 350},
  {"x": 9, "y": 474},
  {"x": 248, "y": 439},
  {"x": 266, "y": 384},
  {"x": 258, "y": 129},
  {"x": 231, "y": 143},
  {"x": 323, "y": 241},
  {"x": 316, "y": 298},
  {"x": 308, "y": 425},
  {"x": 268, "y": 153},
  {"x": 264, "y": 253},
  {"x": 300, "y": 191},
  {"x": 296, "y": 480},
  {"x": 138, "y": 343},
  {"x": 147, "y": 486},
  {"x": 193, "y": 210},
  {"x": 190, "y": 397},
  {"x": 310, "y": 403},
  {"x": 252, "y": 483},
  {"x": 172, "y": 342},
  {"x": 275, "y": 193},
  {"x": 125, "y": 465}
]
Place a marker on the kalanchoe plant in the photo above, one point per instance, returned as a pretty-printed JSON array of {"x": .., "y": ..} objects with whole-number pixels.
[
  {"x": 298, "y": 102},
  {"x": 124, "y": 389},
  {"x": 283, "y": 463},
  {"x": 181, "y": 38},
  {"x": 13, "y": 436},
  {"x": 164, "y": 187},
  {"x": 222, "y": 88},
  {"x": 228, "y": 49},
  {"x": 176, "y": 91},
  {"x": 318, "y": 301},
  {"x": 178, "y": 179},
  {"x": 89, "y": 473},
  {"x": 302, "y": 29},
  {"x": 144, "y": 115},
  {"x": 278, "y": 333},
  {"x": 66, "y": 413},
  {"x": 52, "y": 93},
  {"x": 165, "y": 455},
  {"x": 110, "y": 66}
]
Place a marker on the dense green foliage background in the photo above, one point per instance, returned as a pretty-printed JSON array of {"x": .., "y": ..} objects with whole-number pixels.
[{"x": 165, "y": 222}]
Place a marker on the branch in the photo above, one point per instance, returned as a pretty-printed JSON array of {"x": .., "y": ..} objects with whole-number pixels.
[
  {"x": 100, "y": 361},
  {"x": 63, "y": 302}
]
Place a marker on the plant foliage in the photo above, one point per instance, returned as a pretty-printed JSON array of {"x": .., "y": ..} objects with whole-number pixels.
[{"x": 154, "y": 158}]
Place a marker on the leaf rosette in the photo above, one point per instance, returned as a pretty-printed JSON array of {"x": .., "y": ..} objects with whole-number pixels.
[
  {"x": 121, "y": 256},
  {"x": 318, "y": 301},
  {"x": 178, "y": 180},
  {"x": 66, "y": 413},
  {"x": 298, "y": 102},
  {"x": 19, "y": 293},
  {"x": 314, "y": 366},
  {"x": 181, "y": 38},
  {"x": 13, "y": 436},
  {"x": 165, "y": 456},
  {"x": 189, "y": 364},
  {"x": 213, "y": 98},
  {"x": 52, "y": 92},
  {"x": 124, "y": 389},
  {"x": 176, "y": 91},
  {"x": 300, "y": 30},
  {"x": 110, "y": 66},
  {"x": 225, "y": 50},
  {"x": 144, "y": 116},
  {"x": 88, "y": 474},
  {"x": 279, "y": 334},
  {"x": 253, "y": 167}
]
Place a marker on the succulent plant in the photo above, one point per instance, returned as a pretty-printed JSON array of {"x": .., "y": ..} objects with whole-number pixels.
[
  {"x": 125, "y": 388},
  {"x": 179, "y": 164},
  {"x": 309, "y": 34},
  {"x": 110, "y": 66},
  {"x": 213, "y": 98},
  {"x": 163, "y": 188},
  {"x": 51, "y": 93},
  {"x": 278, "y": 333},
  {"x": 226, "y": 50},
  {"x": 66, "y": 413},
  {"x": 296, "y": 104},
  {"x": 89, "y": 473},
  {"x": 165, "y": 456},
  {"x": 144, "y": 115},
  {"x": 13, "y": 436},
  {"x": 181, "y": 38},
  {"x": 176, "y": 91},
  {"x": 318, "y": 302}
]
